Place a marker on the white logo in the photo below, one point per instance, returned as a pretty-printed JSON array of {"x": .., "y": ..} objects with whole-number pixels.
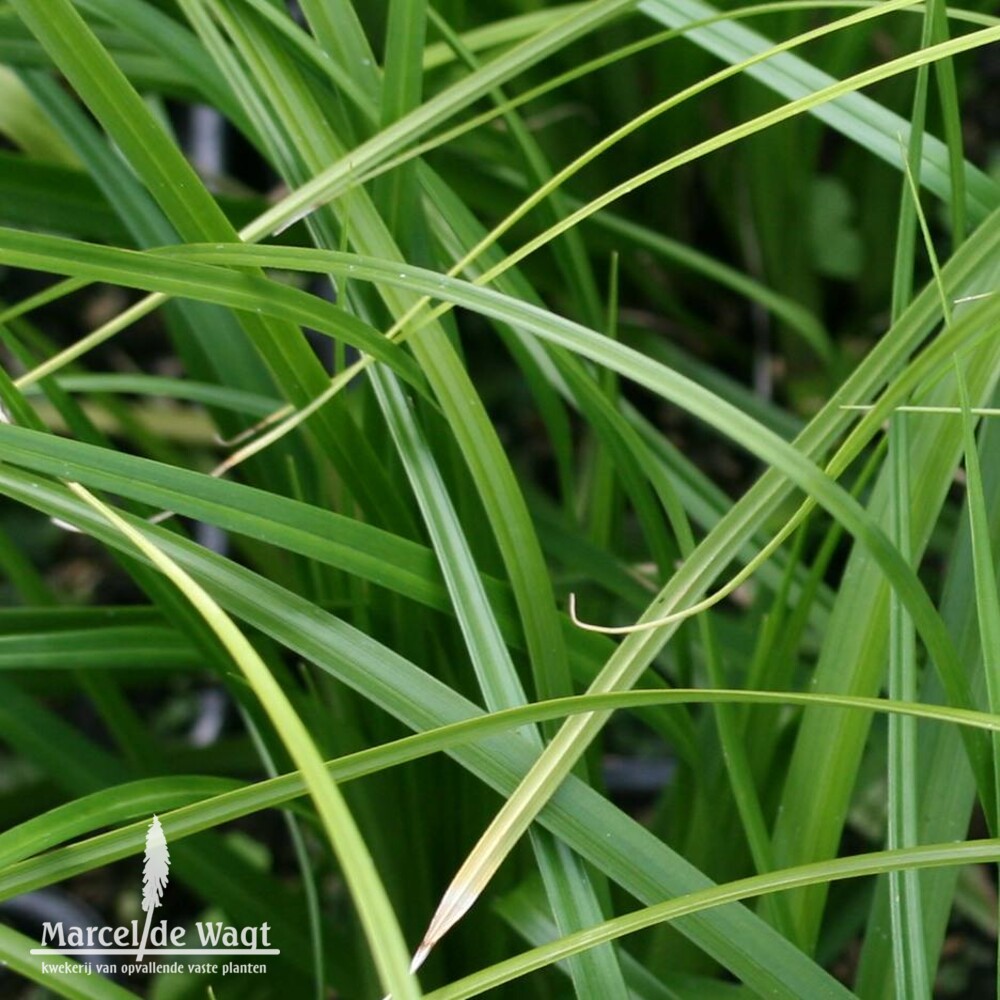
[
  {"x": 213, "y": 937},
  {"x": 155, "y": 872}
]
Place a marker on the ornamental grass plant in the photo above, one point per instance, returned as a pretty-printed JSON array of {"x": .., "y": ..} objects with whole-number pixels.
[{"x": 500, "y": 499}]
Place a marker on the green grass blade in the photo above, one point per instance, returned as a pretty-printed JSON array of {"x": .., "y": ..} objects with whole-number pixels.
[
  {"x": 853, "y": 867},
  {"x": 402, "y": 84},
  {"x": 130, "y": 801},
  {"x": 854, "y": 115},
  {"x": 43, "y": 869},
  {"x": 987, "y": 591},
  {"x": 904, "y": 781},
  {"x": 375, "y": 911},
  {"x": 73, "y": 981},
  {"x": 245, "y": 291}
]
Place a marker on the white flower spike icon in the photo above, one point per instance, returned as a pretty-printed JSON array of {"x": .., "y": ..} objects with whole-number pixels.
[{"x": 155, "y": 872}]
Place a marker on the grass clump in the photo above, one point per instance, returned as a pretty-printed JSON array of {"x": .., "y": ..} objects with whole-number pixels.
[{"x": 508, "y": 487}]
